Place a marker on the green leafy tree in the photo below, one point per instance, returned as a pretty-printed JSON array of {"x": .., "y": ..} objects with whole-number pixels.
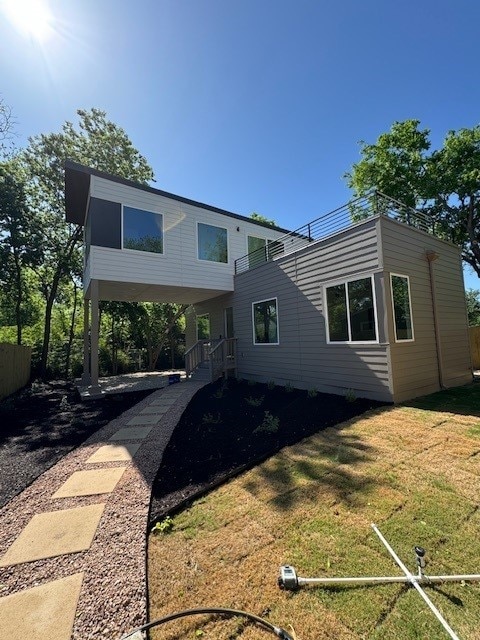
[
  {"x": 472, "y": 297},
  {"x": 444, "y": 184},
  {"x": 259, "y": 218},
  {"x": 94, "y": 141}
]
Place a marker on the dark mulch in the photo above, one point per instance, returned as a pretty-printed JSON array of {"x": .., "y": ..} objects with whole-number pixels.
[
  {"x": 43, "y": 422},
  {"x": 218, "y": 436}
]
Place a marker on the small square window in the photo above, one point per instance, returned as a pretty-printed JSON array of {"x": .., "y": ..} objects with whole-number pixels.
[
  {"x": 142, "y": 230},
  {"x": 212, "y": 243},
  {"x": 351, "y": 311}
]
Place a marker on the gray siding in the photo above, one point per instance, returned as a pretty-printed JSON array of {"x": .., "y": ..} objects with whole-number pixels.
[
  {"x": 215, "y": 308},
  {"x": 303, "y": 357},
  {"x": 415, "y": 368}
]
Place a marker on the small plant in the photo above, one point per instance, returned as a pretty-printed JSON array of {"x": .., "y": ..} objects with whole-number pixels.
[
  {"x": 254, "y": 402},
  {"x": 350, "y": 395},
  {"x": 271, "y": 385},
  {"x": 209, "y": 418},
  {"x": 312, "y": 393},
  {"x": 288, "y": 387},
  {"x": 251, "y": 383},
  {"x": 163, "y": 527},
  {"x": 64, "y": 404},
  {"x": 269, "y": 424},
  {"x": 218, "y": 393}
]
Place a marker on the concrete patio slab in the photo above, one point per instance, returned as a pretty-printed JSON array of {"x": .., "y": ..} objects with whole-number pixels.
[
  {"x": 131, "y": 433},
  {"x": 91, "y": 482},
  {"x": 55, "y": 533},
  {"x": 144, "y": 419},
  {"x": 46, "y": 612},
  {"x": 114, "y": 453}
]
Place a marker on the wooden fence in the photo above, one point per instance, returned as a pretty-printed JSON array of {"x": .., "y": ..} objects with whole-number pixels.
[
  {"x": 15, "y": 362},
  {"x": 475, "y": 346}
]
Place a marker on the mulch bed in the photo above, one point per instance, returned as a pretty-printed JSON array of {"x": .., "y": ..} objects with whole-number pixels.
[
  {"x": 219, "y": 435},
  {"x": 43, "y": 422}
]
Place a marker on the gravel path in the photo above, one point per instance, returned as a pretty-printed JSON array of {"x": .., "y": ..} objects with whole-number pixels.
[{"x": 113, "y": 598}]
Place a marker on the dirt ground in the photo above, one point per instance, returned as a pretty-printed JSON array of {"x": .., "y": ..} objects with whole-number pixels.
[
  {"x": 227, "y": 428},
  {"x": 43, "y": 422}
]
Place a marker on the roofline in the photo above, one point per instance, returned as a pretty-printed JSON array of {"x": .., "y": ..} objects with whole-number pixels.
[{"x": 72, "y": 167}]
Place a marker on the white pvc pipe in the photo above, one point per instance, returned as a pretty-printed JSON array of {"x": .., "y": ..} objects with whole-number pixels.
[
  {"x": 414, "y": 582},
  {"x": 387, "y": 579}
]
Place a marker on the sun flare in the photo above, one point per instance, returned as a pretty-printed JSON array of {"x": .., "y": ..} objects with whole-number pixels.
[{"x": 30, "y": 17}]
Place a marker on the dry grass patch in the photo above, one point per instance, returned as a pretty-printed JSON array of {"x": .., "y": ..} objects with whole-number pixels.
[{"x": 413, "y": 470}]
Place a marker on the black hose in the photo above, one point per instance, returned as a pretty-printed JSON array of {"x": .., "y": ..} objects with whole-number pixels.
[{"x": 278, "y": 631}]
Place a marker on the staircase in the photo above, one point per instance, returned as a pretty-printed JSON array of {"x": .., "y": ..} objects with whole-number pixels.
[{"x": 208, "y": 360}]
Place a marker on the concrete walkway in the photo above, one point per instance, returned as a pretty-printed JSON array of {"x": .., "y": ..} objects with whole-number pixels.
[{"x": 73, "y": 544}]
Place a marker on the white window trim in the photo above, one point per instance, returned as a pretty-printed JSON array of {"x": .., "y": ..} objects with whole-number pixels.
[
  {"x": 375, "y": 314},
  {"x": 201, "y": 260},
  {"x": 265, "y": 344},
  {"x": 138, "y": 251},
  {"x": 202, "y": 315},
  {"x": 401, "y": 275}
]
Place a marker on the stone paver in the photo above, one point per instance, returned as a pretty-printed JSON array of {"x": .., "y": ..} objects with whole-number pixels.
[
  {"x": 144, "y": 419},
  {"x": 46, "y": 612},
  {"x": 91, "y": 482},
  {"x": 131, "y": 433},
  {"x": 54, "y": 533},
  {"x": 158, "y": 410},
  {"x": 114, "y": 453}
]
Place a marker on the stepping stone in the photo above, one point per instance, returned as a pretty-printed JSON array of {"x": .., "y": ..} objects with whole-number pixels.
[
  {"x": 46, "y": 612},
  {"x": 90, "y": 483},
  {"x": 166, "y": 402},
  {"x": 54, "y": 533},
  {"x": 157, "y": 410},
  {"x": 145, "y": 419},
  {"x": 131, "y": 433},
  {"x": 114, "y": 453}
]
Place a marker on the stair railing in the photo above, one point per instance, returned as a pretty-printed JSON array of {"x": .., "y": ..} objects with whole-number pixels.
[
  {"x": 222, "y": 357},
  {"x": 196, "y": 355}
]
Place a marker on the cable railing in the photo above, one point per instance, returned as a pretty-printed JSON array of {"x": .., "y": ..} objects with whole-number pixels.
[{"x": 358, "y": 210}]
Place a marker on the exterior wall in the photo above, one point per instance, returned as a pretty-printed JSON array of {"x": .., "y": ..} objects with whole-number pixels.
[
  {"x": 178, "y": 265},
  {"x": 303, "y": 358},
  {"x": 216, "y": 310},
  {"x": 415, "y": 366}
]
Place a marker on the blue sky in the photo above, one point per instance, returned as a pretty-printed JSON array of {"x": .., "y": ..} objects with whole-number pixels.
[{"x": 249, "y": 105}]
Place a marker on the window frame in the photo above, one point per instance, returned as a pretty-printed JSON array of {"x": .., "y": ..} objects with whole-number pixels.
[
  {"x": 345, "y": 282},
  {"x": 140, "y": 251},
  {"x": 202, "y": 315},
  {"x": 265, "y": 344},
  {"x": 407, "y": 278},
  {"x": 203, "y": 260}
]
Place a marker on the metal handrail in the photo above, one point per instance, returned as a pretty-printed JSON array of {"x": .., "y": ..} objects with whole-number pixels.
[{"x": 369, "y": 206}]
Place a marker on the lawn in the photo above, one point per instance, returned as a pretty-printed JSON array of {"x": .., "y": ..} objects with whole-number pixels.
[{"x": 413, "y": 469}]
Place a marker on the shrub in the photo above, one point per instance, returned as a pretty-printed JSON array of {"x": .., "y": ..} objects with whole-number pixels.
[
  {"x": 271, "y": 385},
  {"x": 312, "y": 393},
  {"x": 350, "y": 395},
  {"x": 209, "y": 418},
  {"x": 288, "y": 387},
  {"x": 254, "y": 402},
  {"x": 251, "y": 383},
  {"x": 269, "y": 424}
]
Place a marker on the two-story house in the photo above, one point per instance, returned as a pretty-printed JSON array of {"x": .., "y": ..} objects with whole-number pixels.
[{"x": 365, "y": 298}]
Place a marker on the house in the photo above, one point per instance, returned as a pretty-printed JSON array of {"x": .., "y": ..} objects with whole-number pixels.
[{"x": 364, "y": 298}]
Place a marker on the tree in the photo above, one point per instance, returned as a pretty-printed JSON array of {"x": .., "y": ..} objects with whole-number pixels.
[
  {"x": 95, "y": 142},
  {"x": 472, "y": 297},
  {"x": 19, "y": 240},
  {"x": 259, "y": 218},
  {"x": 444, "y": 184},
  {"x": 7, "y": 123}
]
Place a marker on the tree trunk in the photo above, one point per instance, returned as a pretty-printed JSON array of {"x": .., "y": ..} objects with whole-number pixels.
[{"x": 71, "y": 333}]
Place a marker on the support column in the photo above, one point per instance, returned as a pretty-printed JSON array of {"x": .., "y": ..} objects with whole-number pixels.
[
  {"x": 86, "y": 378},
  {"x": 94, "y": 338}
]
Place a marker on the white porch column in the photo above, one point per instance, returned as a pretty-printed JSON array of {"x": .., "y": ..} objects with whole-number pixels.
[
  {"x": 94, "y": 337},
  {"x": 86, "y": 379}
]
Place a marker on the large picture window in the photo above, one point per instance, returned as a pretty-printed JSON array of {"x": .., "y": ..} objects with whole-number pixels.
[
  {"x": 142, "y": 230},
  {"x": 265, "y": 322},
  {"x": 402, "y": 307},
  {"x": 212, "y": 243},
  {"x": 351, "y": 311}
]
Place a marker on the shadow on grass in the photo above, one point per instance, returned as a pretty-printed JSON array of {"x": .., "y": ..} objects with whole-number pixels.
[{"x": 460, "y": 400}]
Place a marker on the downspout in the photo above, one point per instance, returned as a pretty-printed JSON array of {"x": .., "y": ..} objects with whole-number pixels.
[{"x": 431, "y": 256}]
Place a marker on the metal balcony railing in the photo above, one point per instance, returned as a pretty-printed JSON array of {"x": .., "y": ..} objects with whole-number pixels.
[{"x": 369, "y": 206}]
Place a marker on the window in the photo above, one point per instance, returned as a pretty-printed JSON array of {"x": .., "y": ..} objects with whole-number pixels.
[
  {"x": 142, "y": 230},
  {"x": 203, "y": 327},
  {"x": 260, "y": 250},
  {"x": 351, "y": 311},
  {"x": 402, "y": 308},
  {"x": 265, "y": 322},
  {"x": 212, "y": 243}
]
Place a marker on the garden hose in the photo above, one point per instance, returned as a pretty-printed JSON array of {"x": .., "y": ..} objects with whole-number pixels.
[{"x": 278, "y": 631}]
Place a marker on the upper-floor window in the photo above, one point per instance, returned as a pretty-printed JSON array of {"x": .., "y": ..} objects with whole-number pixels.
[
  {"x": 261, "y": 249},
  {"x": 351, "y": 311},
  {"x": 402, "y": 308},
  {"x": 212, "y": 243},
  {"x": 265, "y": 322},
  {"x": 142, "y": 230}
]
